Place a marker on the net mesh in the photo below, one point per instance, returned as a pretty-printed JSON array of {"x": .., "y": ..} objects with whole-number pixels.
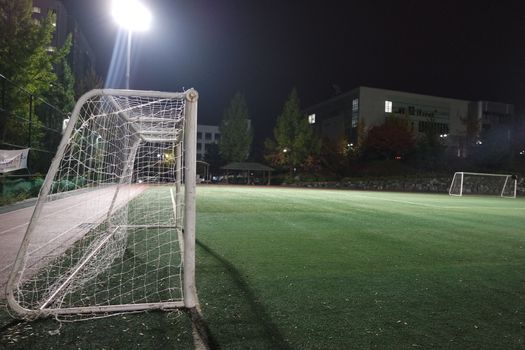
[
  {"x": 109, "y": 228},
  {"x": 483, "y": 184}
]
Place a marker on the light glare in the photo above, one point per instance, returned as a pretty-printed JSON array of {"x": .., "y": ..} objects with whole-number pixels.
[{"x": 131, "y": 15}]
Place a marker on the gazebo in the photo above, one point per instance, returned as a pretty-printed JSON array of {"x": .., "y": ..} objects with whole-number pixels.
[{"x": 248, "y": 168}]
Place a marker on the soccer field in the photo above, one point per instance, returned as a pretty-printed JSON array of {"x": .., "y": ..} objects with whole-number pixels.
[
  {"x": 281, "y": 268},
  {"x": 326, "y": 269}
]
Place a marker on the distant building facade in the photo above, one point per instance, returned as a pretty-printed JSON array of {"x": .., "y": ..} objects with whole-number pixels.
[
  {"x": 82, "y": 58},
  {"x": 338, "y": 117},
  {"x": 206, "y": 135}
]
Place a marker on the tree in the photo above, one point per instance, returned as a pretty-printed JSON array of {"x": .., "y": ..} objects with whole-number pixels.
[
  {"x": 294, "y": 142},
  {"x": 213, "y": 157},
  {"x": 25, "y": 59},
  {"x": 236, "y": 132},
  {"x": 90, "y": 80},
  {"x": 392, "y": 139}
]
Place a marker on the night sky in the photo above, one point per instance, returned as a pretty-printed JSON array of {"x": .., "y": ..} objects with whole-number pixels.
[{"x": 462, "y": 49}]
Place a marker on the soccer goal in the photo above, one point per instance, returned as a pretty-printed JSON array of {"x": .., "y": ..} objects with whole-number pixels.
[
  {"x": 113, "y": 229},
  {"x": 483, "y": 184}
]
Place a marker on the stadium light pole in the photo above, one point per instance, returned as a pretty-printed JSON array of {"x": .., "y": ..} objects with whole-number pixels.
[{"x": 133, "y": 16}]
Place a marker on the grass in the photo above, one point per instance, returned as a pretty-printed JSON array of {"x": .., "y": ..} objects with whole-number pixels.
[
  {"x": 321, "y": 269},
  {"x": 314, "y": 269}
]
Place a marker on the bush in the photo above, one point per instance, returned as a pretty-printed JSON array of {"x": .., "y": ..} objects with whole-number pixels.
[
  {"x": 20, "y": 189},
  {"x": 35, "y": 186}
]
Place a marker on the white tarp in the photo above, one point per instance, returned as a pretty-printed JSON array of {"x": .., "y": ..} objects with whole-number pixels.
[{"x": 11, "y": 160}]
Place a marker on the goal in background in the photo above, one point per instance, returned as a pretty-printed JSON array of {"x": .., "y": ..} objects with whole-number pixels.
[
  {"x": 113, "y": 229},
  {"x": 483, "y": 184}
]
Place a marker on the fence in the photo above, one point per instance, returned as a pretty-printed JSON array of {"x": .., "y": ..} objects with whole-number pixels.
[{"x": 29, "y": 121}]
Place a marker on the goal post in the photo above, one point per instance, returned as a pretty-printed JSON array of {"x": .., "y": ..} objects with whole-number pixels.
[
  {"x": 105, "y": 234},
  {"x": 465, "y": 183}
]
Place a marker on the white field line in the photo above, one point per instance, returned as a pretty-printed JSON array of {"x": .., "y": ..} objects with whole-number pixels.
[
  {"x": 435, "y": 206},
  {"x": 179, "y": 231}
]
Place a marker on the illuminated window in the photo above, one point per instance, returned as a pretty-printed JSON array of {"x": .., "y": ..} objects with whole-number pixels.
[
  {"x": 388, "y": 106},
  {"x": 37, "y": 9},
  {"x": 311, "y": 118},
  {"x": 355, "y": 104}
]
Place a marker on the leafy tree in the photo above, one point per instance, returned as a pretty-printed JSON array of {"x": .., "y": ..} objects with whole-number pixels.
[
  {"x": 430, "y": 151},
  {"x": 335, "y": 156},
  {"x": 26, "y": 61},
  {"x": 90, "y": 80},
  {"x": 294, "y": 143},
  {"x": 361, "y": 134},
  {"x": 391, "y": 139},
  {"x": 236, "y": 133},
  {"x": 213, "y": 157}
]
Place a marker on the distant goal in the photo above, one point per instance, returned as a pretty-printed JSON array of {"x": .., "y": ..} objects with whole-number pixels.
[
  {"x": 113, "y": 229},
  {"x": 464, "y": 183}
]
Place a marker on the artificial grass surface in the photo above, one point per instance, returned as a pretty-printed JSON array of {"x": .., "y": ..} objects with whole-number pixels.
[
  {"x": 320, "y": 269},
  {"x": 285, "y": 268}
]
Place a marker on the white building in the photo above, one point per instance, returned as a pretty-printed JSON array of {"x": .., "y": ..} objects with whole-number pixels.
[
  {"x": 338, "y": 117},
  {"x": 206, "y": 134}
]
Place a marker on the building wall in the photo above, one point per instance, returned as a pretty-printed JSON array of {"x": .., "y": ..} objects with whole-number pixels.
[
  {"x": 41, "y": 8},
  {"x": 422, "y": 110},
  {"x": 337, "y": 118},
  {"x": 492, "y": 115},
  {"x": 206, "y": 134},
  {"x": 82, "y": 58}
]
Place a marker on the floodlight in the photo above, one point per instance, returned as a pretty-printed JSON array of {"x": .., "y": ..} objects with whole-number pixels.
[{"x": 131, "y": 15}]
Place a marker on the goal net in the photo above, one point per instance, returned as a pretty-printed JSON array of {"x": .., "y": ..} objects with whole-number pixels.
[
  {"x": 113, "y": 229},
  {"x": 483, "y": 184}
]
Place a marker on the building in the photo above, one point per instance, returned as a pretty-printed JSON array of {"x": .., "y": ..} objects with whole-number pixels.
[
  {"x": 338, "y": 118},
  {"x": 81, "y": 58},
  {"x": 206, "y": 135}
]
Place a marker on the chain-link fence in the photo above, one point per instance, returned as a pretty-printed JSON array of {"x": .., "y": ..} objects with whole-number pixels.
[{"x": 27, "y": 121}]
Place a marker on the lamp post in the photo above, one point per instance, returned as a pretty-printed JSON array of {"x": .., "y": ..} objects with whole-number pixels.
[{"x": 133, "y": 16}]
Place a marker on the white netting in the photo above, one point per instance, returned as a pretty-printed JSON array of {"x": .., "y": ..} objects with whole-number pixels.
[
  {"x": 465, "y": 183},
  {"x": 107, "y": 231}
]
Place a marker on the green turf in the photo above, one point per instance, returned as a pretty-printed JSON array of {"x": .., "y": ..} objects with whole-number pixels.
[
  {"x": 316, "y": 269},
  {"x": 285, "y": 268}
]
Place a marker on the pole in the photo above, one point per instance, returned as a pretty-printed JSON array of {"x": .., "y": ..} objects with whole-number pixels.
[
  {"x": 190, "y": 163},
  {"x": 128, "y": 59},
  {"x": 30, "y": 121}
]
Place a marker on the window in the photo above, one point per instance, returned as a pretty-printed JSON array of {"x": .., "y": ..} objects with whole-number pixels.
[
  {"x": 311, "y": 119},
  {"x": 217, "y": 137},
  {"x": 199, "y": 146},
  {"x": 355, "y": 122},
  {"x": 207, "y": 136},
  {"x": 37, "y": 9},
  {"x": 388, "y": 106},
  {"x": 355, "y": 104},
  {"x": 199, "y": 135},
  {"x": 433, "y": 127}
]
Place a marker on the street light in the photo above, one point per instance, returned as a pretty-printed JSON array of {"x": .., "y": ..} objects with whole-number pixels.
[{"x": 133, "y": 16}]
